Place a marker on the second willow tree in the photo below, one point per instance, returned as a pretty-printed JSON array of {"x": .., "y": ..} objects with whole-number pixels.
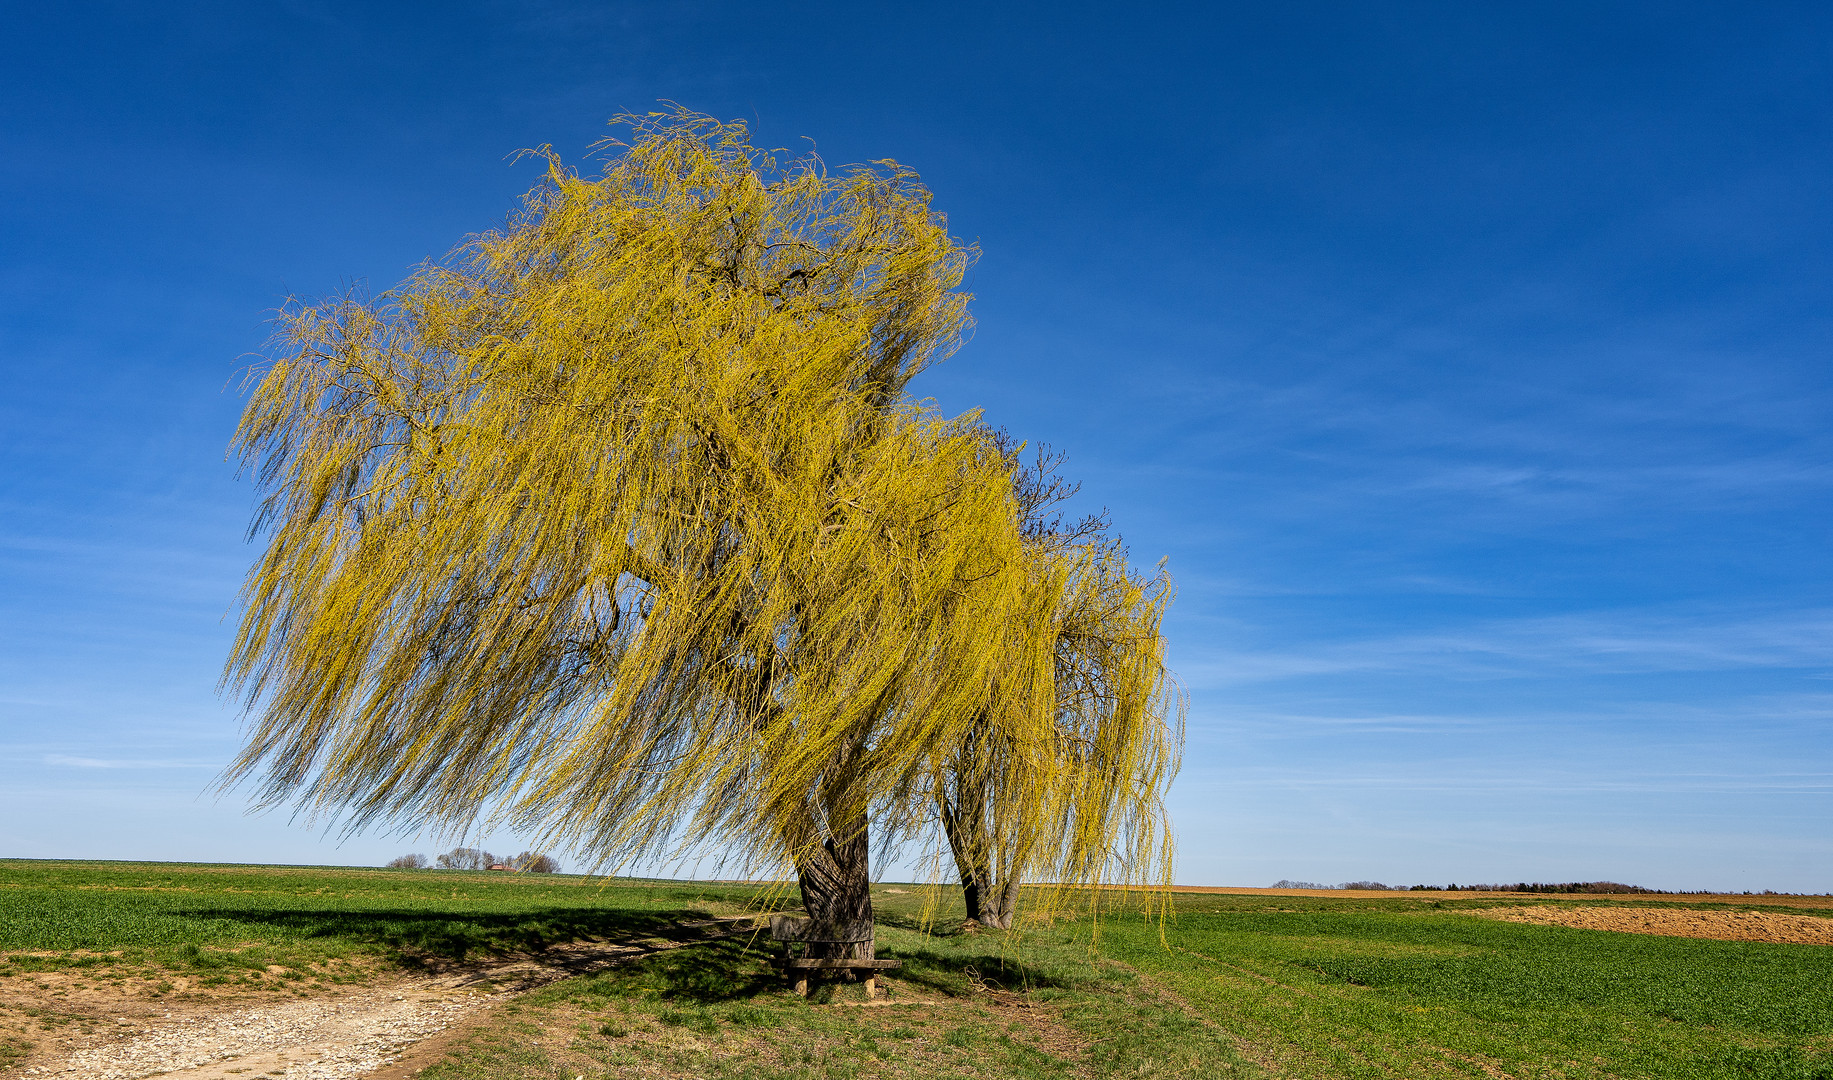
[
  {"x": 618, "y": 527},
  {"x": 1056, "y": 808}
]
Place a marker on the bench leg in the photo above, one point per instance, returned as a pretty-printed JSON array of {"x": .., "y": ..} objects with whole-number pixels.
[
  {"x": 802, "y": 984},
  {"x": 871, "y": 987}
]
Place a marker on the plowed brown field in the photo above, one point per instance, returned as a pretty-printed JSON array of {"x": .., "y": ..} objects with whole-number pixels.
[{"x": 1677, "y": 922}]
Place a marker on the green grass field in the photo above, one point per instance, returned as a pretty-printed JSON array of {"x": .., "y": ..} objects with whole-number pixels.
[
  {"x": 233, "y": 923},
  {"x": 1250, "y": 985},
  {"x": 1399, "y": 988}
]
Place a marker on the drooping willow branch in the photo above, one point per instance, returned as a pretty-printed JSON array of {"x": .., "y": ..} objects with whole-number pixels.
[{"x": 619, "y": 526}]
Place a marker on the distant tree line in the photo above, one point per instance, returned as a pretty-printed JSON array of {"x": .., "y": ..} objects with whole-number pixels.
[
  {"x": 1520, "y": 886},
  {"x": 1542, "y": 887},
  {"x": 465, "y": 858}
]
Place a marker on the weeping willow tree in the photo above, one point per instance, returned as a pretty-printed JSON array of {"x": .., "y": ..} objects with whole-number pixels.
[
  {"x": 618, "y": 527},
  {"x": 1020, "y": 804}
]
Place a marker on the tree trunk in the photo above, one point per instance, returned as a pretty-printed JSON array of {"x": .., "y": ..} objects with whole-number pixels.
[
  {"x": 990, "y": 901},
  {"x": 964, "y": 822},
  {"x": 976, "y": 879},
  {"x": 990, "y": 896},
  {"x": 836, "y": 884},
  {"x": 970, "y": 892},
  {"x": 999, "y": 915}
]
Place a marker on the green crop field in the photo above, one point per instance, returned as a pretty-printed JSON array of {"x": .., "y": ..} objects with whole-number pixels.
[
  {"x": 1239, "y": 986},
  {"x": 1401, "y": 988}
]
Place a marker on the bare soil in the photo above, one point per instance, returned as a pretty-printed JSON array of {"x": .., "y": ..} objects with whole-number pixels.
[
  {"x": 1722, "y": 925},
  {"x": 108, "y": 1030}
]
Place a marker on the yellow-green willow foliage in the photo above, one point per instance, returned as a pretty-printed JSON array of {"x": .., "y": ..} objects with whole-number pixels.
[
  {"x": 618, "y": 527},
  {"x": 1060, "y": 780}
]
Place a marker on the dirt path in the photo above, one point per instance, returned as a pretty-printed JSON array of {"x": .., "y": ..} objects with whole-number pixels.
[
  {"x": 349, "y": 1034},
  {"x": 1722, "y": 925}
]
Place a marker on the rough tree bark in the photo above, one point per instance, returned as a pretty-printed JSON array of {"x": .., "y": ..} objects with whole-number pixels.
[
  {"x": 836, "y": 884},
  {"x": 836, "y": 878}
]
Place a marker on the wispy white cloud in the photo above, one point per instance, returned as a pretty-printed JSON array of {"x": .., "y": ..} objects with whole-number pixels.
[
  {"x": 1548, "y": 781},
  {"x": 73, "y": 762},
  {"x": 1741, "y": 713},
  {"x": 1682, "y": 487},
  {"x": 1259, "y": 722},
  {"x": 1608, "y": 643}
]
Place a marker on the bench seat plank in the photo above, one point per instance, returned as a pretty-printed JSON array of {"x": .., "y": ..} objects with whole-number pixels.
[{"x": 875, "y": 965}]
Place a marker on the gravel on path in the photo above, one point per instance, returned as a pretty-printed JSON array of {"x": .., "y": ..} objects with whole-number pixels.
[{"x": 295, "y": 1040}]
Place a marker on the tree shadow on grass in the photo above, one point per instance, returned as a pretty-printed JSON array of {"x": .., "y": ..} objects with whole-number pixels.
[
  {"x": 709, "y": 973},
  {"x": 969, "y": 958},
  {"x": 727, "y": 968},
  {"x": 744, "y": 966},
  {"x": 959, "y": 973},
  {"x": 418, "y": 934}
]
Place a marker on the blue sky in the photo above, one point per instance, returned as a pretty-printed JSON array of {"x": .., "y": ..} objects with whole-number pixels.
[{"x": 1469, "y": 366}]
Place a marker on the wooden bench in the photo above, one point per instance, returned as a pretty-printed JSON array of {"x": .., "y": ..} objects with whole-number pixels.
[
  {"x": 800, "y": 970},
  {"x": 792, "y": 931}
]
